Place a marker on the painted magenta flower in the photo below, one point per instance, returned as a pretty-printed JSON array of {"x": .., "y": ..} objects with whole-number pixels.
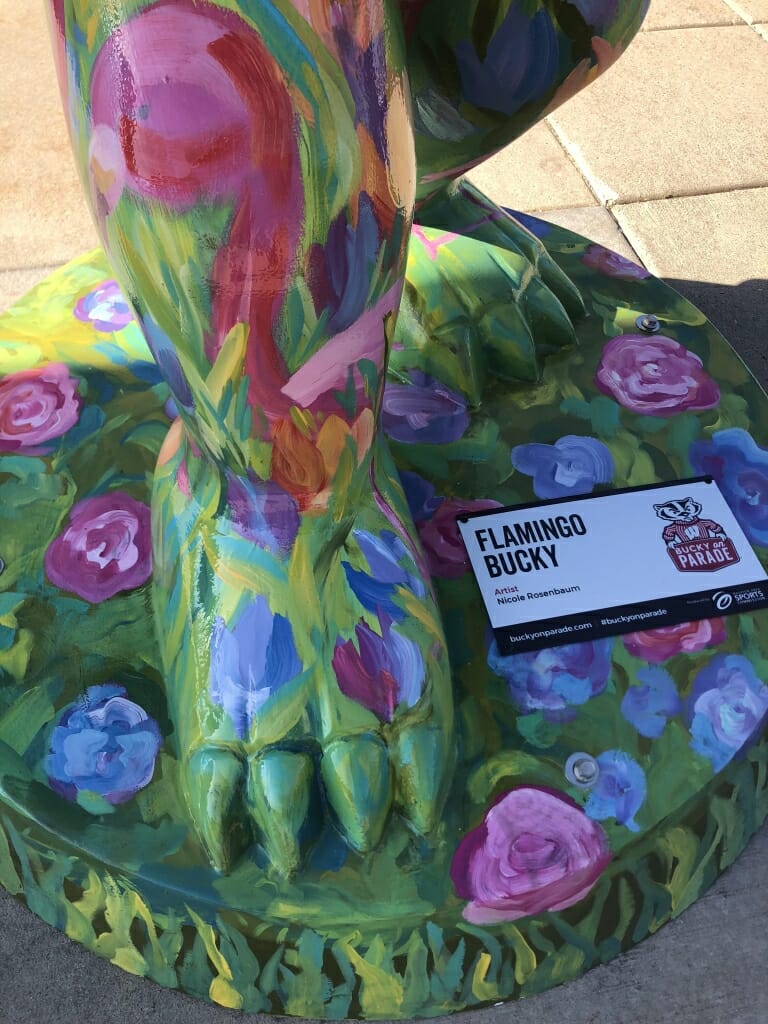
[
  {"x": 181, "y": 125},
  {"x": 425, "y": 411},
  {"x": 104, "y": 308},
  {"x": 612, "y": 264},
  {"x": 556, "y": 678},
  {"x": 390, "y": 566},
  {"x": 656, "y": 645},
  {"x": 649, "y": 706},
  {"x": 654, "y": 376},
  {"x": 535, "y": 851},
  {"x": 382, "y": 672},
  {"x": 441, "y": 540},
  {"x": 105, "y": 548},
  {"x": 103, "y": 744},
  {"x": 739, "y": 467},
  {"x": 572, "y": 465},
  {"x": 250, "y": 661},
  {"x": 36, "y": 406},
  {"x": 619, "y": 791},
  {"x": 728, "y": 707}
]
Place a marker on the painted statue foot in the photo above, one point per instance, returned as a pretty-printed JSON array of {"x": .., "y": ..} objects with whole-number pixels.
[
  {"x": 483, "y": 286},
  {"x": 465, "y": 210},
  {"x": 305, "y": 664}
]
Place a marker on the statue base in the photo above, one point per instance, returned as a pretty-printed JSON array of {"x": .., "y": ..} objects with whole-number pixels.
[{"x": 674, "y": 721}]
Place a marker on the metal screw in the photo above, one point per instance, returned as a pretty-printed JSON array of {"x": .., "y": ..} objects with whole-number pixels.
[
  {"x": 648, "y": 323},
  {"x": 582, "y": 770}
]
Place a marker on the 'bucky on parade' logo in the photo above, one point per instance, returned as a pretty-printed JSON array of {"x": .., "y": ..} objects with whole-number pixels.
[{"x": 695, "y": 544}]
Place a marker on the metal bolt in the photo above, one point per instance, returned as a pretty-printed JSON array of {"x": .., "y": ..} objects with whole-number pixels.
[
  {"x": 582, "y": 770},
  {"x": 648, "y": 323}
]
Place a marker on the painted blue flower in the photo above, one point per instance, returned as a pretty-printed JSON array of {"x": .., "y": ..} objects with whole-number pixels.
[
  {"x": 384, "y": 555},
  {"x": 423, "y": 501},
  {"x": 620, "y": 789},
  {"x": 262, "y": 512},
  {"x": 537, "y": 227},
  {"x": 168, "y": 363},
  {"x": 728, "y": 707},
  {"x": 556, "y": 678},
  {"x": 519, "y": 65},
  {"x": 105, "y": 308},
  {"x": 103, "y": 744},
  {"x": 251, "y": 662},
  {"x": 649, "y": 706},
  {"x": 740, "y": 469},
  {"x": 572, "y": 465},
  {"x": 426, "y": 411}
]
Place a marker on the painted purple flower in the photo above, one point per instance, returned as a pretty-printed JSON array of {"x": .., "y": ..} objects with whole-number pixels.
[
  {"x": 106, "y": 548},
  {"x": 262, "y": 512},
  {"x": 597, "y": 13},
  {"x": 572, "y": 465},
  {"x": 612, "y": 264},
  {"x": 739, "y": 467},
  {"x": 728, "y": 707},
  {"x": 519, "y": 65},
  {"x": 648, "y": 706},
  {"x": 656, "y": 645},
  {"x": 423, "y": 412},
  {"x": 385, "y": 555},
  {"x": 167, "y": 361},
  {"x": 554, "y": 679},
  {"x": 339, "y": 272},
  {"x": 420, "y": 494},
  {"x": 37, "y": 405},
  {"x": 104, "y": 308},
  {"x": 363, "y": 69},
  {"x": 654, "y": 376},
  {"x": 441, "y": 540},
  {"x": 382, "y": 672},
  {"x": 103, "y": 744},
  {"x": 535, "y": 851},
  {"x": 250, "y": 662},
  {"x": 619, "y": 791}
]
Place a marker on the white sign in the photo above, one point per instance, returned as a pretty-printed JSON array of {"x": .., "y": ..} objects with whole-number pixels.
[{"x": 640, "y": 558}]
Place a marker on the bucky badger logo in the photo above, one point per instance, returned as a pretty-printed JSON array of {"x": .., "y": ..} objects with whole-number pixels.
[{"x": 694, "y": 544}]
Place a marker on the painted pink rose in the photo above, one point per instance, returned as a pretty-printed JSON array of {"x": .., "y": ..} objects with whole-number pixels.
[
  {"x": 36, "y": 406},
  {"x": 610, "y": 263},
  {"x": 656, "y": 645},
  {"x": 654, "y": 376},
  {"x": 535, "y": 851},
  {"x": 441, "y": 540},
  {"x": 106, "y": 548}
]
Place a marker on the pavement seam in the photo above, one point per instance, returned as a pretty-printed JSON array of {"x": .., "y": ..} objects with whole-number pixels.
[{"x": 741, "y": 11}]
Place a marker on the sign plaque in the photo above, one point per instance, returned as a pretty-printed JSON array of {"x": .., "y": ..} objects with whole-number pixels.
[{"x": 576, "y": 569}]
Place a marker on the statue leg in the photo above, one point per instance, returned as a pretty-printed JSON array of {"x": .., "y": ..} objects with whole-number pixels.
[
  {"x": 253, "y": 181},
  {"x": 481, "y": 75}
]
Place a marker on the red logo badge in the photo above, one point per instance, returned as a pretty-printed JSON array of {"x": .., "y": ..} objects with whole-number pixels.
[{"x": 695, "y": 544}]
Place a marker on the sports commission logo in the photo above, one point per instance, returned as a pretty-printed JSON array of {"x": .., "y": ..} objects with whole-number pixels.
[{"x": 695, "y": 544}]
